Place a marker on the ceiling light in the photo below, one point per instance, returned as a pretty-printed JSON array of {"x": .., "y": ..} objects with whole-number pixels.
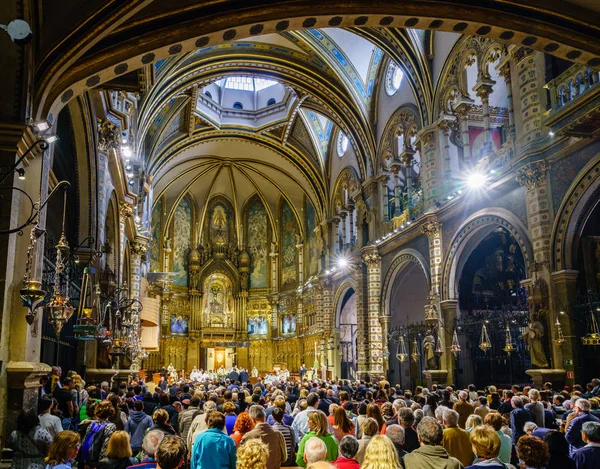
[
  {"x": 51, "y": 138},
  {"x": 476, "y": 180},
  {"x": 41, "y": 126},
  {"x": 551, "y": 134},
  {"x": 342, "y": 262},
  {"x": 21, "y": 173}
]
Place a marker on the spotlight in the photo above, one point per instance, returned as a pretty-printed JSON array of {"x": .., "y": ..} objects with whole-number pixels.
[
  {"x": 21, "y": 173},
  {"x": 19, "y": 31},
  {"x": 342, "y": 262},
  {"x": 551, "y": 134},
  {"x": 449, "y": 197},
  {"x": 127, "y": 152},
  {"x": 51, "y": 138},
  {"x": 41, "y": 127},
  {"x": 124, "y": 139},
  {"x": 476, "y": 180},
  {"x": 76, "y": 260}
]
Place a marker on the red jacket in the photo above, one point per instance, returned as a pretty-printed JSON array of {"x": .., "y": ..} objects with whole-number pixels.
[{"x": 345, "y": 463}]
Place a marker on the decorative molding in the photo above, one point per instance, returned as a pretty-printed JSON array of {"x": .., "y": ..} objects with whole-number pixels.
[
  {"x": 109, "y": 135},
  {"x": 533, "y": 175}
]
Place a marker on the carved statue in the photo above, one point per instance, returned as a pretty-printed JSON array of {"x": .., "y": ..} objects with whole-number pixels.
[
  {"x": 428, "y": 351},
  {"x": 533, "y": 338}
]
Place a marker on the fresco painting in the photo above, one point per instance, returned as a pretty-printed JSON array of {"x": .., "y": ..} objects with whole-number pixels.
[
  {"x": 288, "y": 246},
  {"x": 257, "y": 244},
  {"x": 182, "y": 233}
]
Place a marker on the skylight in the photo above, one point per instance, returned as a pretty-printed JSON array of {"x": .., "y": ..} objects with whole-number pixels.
[{"x": 248, "y": 83}]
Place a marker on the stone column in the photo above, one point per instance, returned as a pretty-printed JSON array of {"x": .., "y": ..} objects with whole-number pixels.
[
  {"x": 125, "y": 212},
  {"x": 449, "y": 310},
  {"x": 565, "y": 289},
  {"x": 360, "y": 219},
  {"x": 362, "y": 326},
  {"x": 430, "y": 169},
  {"x": 462, "y": 108},
  {"x": 395, "y": 167},
  {"x": 336, "y": 235},
  {"x": 445, "y": 123},
  {"x": 343, "y": 215},
  {"x": 483, "y": 88},
  {"x": 504, "y": 70},
  {"x": 372, "y": 259},
  {"x": 351, "y": 221},
  {"x": 408, "y": 160}
]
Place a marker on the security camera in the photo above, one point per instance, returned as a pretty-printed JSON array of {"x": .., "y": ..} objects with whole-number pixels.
[{"x": 19, "y": 31}]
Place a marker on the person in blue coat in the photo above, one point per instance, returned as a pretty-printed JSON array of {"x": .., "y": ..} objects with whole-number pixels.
[
  {"x": 137, "y": 425},
  {"x": 582, "y": 411},
  {"x": 588, "y": 457},
  {"x": 518, "y": 418},
  {"x": 213, "y": 449}
]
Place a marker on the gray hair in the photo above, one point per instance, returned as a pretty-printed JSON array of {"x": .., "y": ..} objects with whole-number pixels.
[
  {"x": 152, "y": 441},
  {"x": 314, "y": 450},
  {"x": 583, "y": 404},
  {"x": 592, "y": 430},
  {"x": 450, "y": 417},
  {"x": 418, "y": 413},
  {"x": 430, "y": 431},
  {"x": 257, "y": 412},
  {"x": 439, "y": 413},
  {"x": 529, "y": 427},
  {"x": 398, "y": 404},
  {"x": 349, "y": 446},
  {"x": 209, "y": 406},
  {"x": 464, "y": 395},
  {"x": 517, "y": 401},
  {"x": 395, "y": 433}
]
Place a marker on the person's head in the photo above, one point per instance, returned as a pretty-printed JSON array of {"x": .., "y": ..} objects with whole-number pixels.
[
  {"x": 104, "y": 410},
  {"x": 257, "y": 413},
  {"x": 494, "y": 420},
  {"x": 485, "y": 442},
  {"x": 253, "y": 454},
  {"x": 381, "y": 453},
  {"x": 532, "y": 451},
  {"x": 534, "y": 395},
  {"x": 582, "y": 405},
  {"x": 64, "y": 447},
  {"x": 463, "y": 395},
  {"x": 312, "y": 399},
  {"x": 209, "y": 406},
  {"x": 229, "y": 407},
  {"x": 46, "y": 404},
  {"x": 160, "y": 417},
  {"x": 314, "y": 450},
  {"x": 516, "y": 402},
  {"x": 119, "y": 445},
  {"x": 473, "y": 420},
  {"x": 138, "y": 406},
  {"x": 349, "y": 447},
  {"x": 243, "y": 423},
  {"x": 341, "y": 420},
  {"x": 317, "y": 422},
  {"x": 406, "y": 417},
  {"x": 529, "y": 427},
  {"x": 215, "y": 419},
  {"x": 590, "y": 432},
  {"x": 557, "y": 443},
  {"x": 396, "y": 434},
  {"x": 170, "y": 453},
  {"x": 430, "y": 431},
  {"x": 370, "y": 427},
  {"x": 151, "y": 441},
  {"x": 483, "y": 401},
  {"x": 450, "y": 418}
]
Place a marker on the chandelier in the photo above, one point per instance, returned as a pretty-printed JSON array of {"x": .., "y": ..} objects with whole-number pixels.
[
  {"x": 439, "y": 351},
  {"x": 415, "y": 351},
  {"x": 455, "y": 347},
  {"x": 592, "y": 338},
  {"x": 509, "y": 346},
  {"x": 401, "y": 353},
  {"x": 560, "y": 338},
  {"x": 484, "y": 342}
]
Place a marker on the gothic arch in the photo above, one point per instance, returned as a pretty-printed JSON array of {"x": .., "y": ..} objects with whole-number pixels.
[
  {"x": 404, "y": 120},
  {"x": 578, "y": 204},
  {"x": 400, "y": 260},
  {"x": 338, "y": 297},
  {"x": 347, "y": 179},
  {"x": 470, "y": 233},
  {"x": 112, "y": 235}
]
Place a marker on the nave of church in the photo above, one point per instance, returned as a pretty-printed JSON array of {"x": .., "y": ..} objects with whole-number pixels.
[{"x": 342, "y": 190}]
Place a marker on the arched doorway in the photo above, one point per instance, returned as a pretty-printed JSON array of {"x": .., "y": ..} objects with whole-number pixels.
[
  {"x": 490, "y": 296},
  {"x": 405, "y": 304},
  {"x": 348, "y": 327}
]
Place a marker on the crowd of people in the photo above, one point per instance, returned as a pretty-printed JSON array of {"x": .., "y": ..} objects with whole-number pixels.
[{"x": 369, "y": 424}]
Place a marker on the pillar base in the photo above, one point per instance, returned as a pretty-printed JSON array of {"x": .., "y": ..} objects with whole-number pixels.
[
  {"x": 435, "y": 377},
  {"x": 542, "y": 375}
]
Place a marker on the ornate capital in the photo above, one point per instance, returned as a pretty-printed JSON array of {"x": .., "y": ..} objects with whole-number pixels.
[
  {"x": 137, "y": 250},
  {"x": 125, "y": 210},
  {"x": 433, "y": 229},
  {"x": 533, "y": 175},
  {"x": 504, "y": 72},
  {"x": 372, "y": 259},
  {"x": 109, "y": 135}
]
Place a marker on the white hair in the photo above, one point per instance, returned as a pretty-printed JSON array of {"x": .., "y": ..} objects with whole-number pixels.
[
  {"x": 464, "y": 395},
  {"x": 583, "y": 404},
  {"x": 151, "y": 441},
  {"x": 529, "y": 427},
  {"x": 314, "y": 450},
  {"x": 439, "y": 412},
  {"x": 395, "y": 433},
  {"x": 398, "y": 404},
  {"x": 451, "y": 417},
  {"x": 534, "y": 394}
]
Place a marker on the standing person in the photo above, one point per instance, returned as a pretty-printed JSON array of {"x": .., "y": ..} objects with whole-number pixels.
[
  {"x": 230, "y": 416},
  {"x": 406, "y": 419},
  {"x": 370, "y": 429},
  {"x": 63, "y": 450},
  {"x": 482, "y": 409},
  {"x": 464, "y": 408},
  {"x": 347, "y": 458},
  {"x": 302, "y": 372},
  {"x": 272, "y": 438},
  {"x": 98, "y": 433},
  {"x": 65, "y": 402},
  {"x": 118, "y": 452},
  {"x": 243, "y": 425},
  {"x": 532, "y": 452},
  {"x": 30, "y": 442},
  {"x": 374, "y": 412},
  {"x": 300, "y": 423},
  {"x": 187, "y": 416},
  {"x": 253, "y": 455},
  {"x": 170, "y": 453},
  {"x": 137, "y": 425},
  {"x": 494, "y": 420},
  {"x": 381, "y": 454},
  {"x": 588, "y": 457},
  {"x": 213, "y": 449},
  {"x": 49, "y": 422},
  {"x": 485, "y": 445},
  {"x": 319, "y": 428},
  {"x": 536, "y": 407},
  {"x": 161, "y": 422},
  {"x": 431, "y": 454},
  {"x": 288, "y": 435},
  {"x": 150, "y": 445},
  {"x": 396, "y": 434},
  {"x": 581, "y": 410},
  {"x": 518, "y": 418},
  {"x": 559, "y": 451},
  {"x": 342, "y": 425},
  {"x": 456, "y": 440}
]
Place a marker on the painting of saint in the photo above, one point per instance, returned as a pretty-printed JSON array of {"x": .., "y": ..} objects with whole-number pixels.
[
  {"x": 288, "y": 245},
  {"x": 312, "y": 246},
  {"x": 288, "y": 324},
  {"x": 179, "y": 324},
  {"x": 182, "y": 232},
  {"x": 156, "y": 236},
  {"x": 219, "y": 227},
  {"x": 258, "y": 326},
  {"x": 257, "y": 244}
]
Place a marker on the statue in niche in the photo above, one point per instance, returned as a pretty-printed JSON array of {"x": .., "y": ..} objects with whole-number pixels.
[
  {"x": 429, "y": 351},
  {"x": 218, "y": 226},
  {"x": 533, "y": 338}
]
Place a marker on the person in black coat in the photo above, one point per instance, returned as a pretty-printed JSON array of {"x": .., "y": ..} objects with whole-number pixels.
[
  {"x": 559, "y": 451},
  {"x": 518, "y": 418},
  {"x": 588, "y": 457}
]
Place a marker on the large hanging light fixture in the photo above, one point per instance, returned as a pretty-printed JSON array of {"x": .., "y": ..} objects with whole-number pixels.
[
  {"x": 484, "y": 342},
  {"x": 560, "y": 338},
  {"x": 32, "y": 293},
  {"x": 415, "y": 351},
  {"x": 87, "y": 326},
  {"x": 59, "y": 307},
  {"x": 401, "y": 353},
  {"x": 509, "y": 346},
  {"x": 439, "y": 351},
  {"x": 592, "y": 338},
  {"x": 455, "y": 347}
]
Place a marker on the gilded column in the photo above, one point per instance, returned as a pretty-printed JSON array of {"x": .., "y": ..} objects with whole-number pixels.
[
  {"x": 426, "y": 138},
  {"x": 462, "y": 109},
  {"x": 395, "y": 167},
  {"x": 137, "y": 249},
  {"x": 504, "y": 70},
  {"x": 372, "y": 259},
  {"x": 484, "y": 88},
  {"x": 433, "y": 230},
  {"x": 125, "y": 212}
]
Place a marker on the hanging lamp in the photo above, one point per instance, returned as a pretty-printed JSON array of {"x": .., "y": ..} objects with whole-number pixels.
[
  {"x": 484, "y": 342},
  {"x": 509, "y": 347},
  {"x": 401, "y": 354},
  {"x": 439, "y": 351},
  {"x": 560, "y": 338},
  {"x": 455, "y": 347},
  {"x": 592, "y": 338},
  {"x": 415, "y": 352}
]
